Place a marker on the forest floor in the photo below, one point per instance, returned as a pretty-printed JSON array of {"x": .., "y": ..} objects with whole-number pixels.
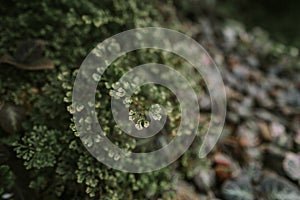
[{"x": 258, "y": 156}]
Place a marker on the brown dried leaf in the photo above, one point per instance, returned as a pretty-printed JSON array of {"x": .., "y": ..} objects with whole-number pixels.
[
  {"x": 39, "y": 64},
  {"x": 265, "y": 132}
]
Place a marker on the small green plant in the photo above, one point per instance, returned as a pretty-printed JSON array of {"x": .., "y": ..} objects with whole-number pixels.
[{"x": 39, "y": 127}]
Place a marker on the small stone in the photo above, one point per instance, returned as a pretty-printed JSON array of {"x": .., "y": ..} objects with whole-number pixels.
[
  {"x": 225, "y": 166},
  {"x": 232, "y": 94},
  {"x": 251, "y": 89},
  {"x": 185, "y": 191},
  {"x": 233, "y": 117},
  {"x": 273, "y": 158},
  {"x": 273, "y": 184},
  {"x": 297, "y": 139},
  {"x": 205, "y": 103},
  {"x": 264, "y": 130},
  {"x": 241, "y": 71},
  {"x": 263, "y": 99},
  {"x": 247, "y": 137},
  {"x": 245, "y": 108},
  {"x": 291, "y": 166},
  {"x": 253, "y": 61},
  {"x": 265, "y": 115},
  {"x": 239, "y": 188},
  {"x": 205, "y": 180},
  {"x": 277, "y": 129}
]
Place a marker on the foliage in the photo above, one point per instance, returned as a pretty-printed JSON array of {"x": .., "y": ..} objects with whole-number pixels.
[
  {"x": 58, "y": 166},
  {"x": 7, "y": 179}
]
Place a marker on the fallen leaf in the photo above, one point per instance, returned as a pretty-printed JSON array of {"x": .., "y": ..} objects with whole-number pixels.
[{"x": 39, "y": 64}]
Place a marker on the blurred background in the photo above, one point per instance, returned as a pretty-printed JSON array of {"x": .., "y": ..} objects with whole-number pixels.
[{"x": 278, "y": 18}]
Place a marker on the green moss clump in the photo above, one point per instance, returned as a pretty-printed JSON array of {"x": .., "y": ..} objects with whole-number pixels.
[{"x": 57, "y": 166}]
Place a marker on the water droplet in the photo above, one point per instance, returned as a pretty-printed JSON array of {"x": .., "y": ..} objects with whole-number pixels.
[
  {"x": 98, "y": 139},
  {"x": 127, "y": 101},
  {"x": 120, "y": 92},
  {"x": 155, "y": 111},
  {"x": 96, "y": 77},
  {"x": 100, "y": 70},
  {"x": 117, "y": 157},
  {"x": 79, "y": 108},
  {"x": 71, "y": 109},
  {"x": 146, "y": 124},
  {"x": 156, "y": 116},
  {"x": 139, "y": 126},
  {"x": 88, "y": 142},
  {"x": 88, "y": 120},
  {"x": 110, "y": 154}
]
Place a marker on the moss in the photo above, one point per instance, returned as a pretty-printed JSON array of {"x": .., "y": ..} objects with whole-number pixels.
[{"x": 58, "y": 166}]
